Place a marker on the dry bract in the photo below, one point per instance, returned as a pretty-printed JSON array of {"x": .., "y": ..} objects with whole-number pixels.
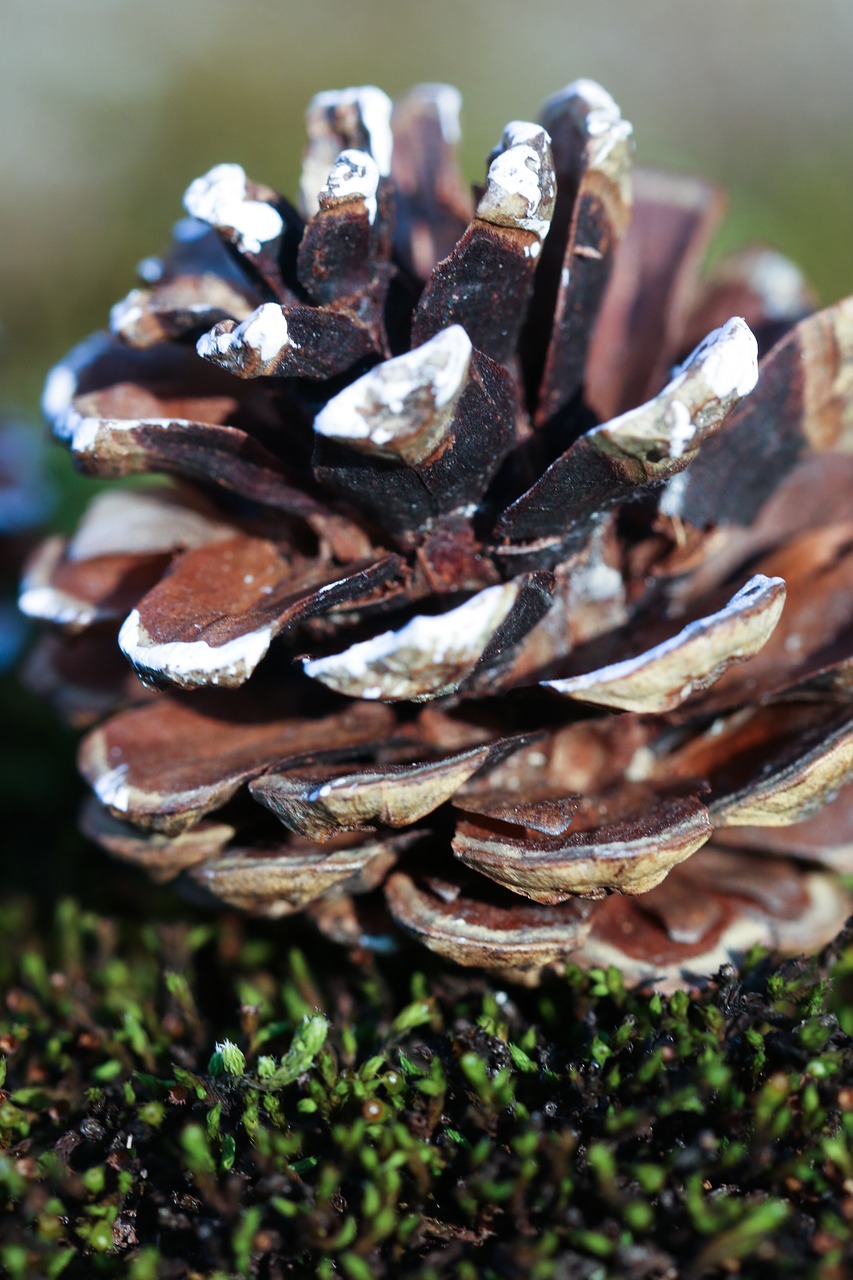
[{"x": 502, "y": 590}]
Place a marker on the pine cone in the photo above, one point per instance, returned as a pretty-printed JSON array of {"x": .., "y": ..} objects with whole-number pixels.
[{"x": 476, "y": 605}]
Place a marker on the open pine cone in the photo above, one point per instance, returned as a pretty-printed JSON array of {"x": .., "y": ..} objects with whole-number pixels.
[{"x": 476, "y": 605}]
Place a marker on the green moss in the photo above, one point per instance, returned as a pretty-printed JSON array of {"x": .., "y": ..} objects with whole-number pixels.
[{"x": 191, "y": 1098}]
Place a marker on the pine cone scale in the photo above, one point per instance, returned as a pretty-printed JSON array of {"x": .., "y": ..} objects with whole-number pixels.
[{"x": 167, "y": 764}]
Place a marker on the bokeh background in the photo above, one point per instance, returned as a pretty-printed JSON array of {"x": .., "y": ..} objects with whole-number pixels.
[{"x": 108, "y": 108}]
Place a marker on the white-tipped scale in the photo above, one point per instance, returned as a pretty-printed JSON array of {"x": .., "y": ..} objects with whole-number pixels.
[
  {"x": 374, "y": 110},
  {"x": 141, "y": 522},
  {"x": 448, "y": 107},
  {"x": 403, "y": 407},
  {"x": 353, "y": 176},
  {"x": 520, "y": 187},
  {"x": 47, "y": 604},
  {"x": 112, "y": 790},
  {"x": 426, "y": 658},
  {"x": 259, "y": 339},
  {"x": 607, "y": 134},
  {"x": 524, "y": 133},
  {"x": 724, "y": 367},
  {"x": 369, "y": 131},
  {"x": 59, "y": 390},
  {"x": 220, "y": 199},
  {"x": 728, "y": 359},
  {"x": 63, "y": 384},
  {"x": 663, "y": 677},
  {"x": 601, "y": 109},
  {"x": 192, "y": 663},
  {"x": 89, "y": 435},
  {"x": 513, "y": 195},
  {"x": 40, "y": 598}
]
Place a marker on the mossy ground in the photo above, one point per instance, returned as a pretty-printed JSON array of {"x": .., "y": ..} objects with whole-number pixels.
[{"x": 391, "y": 1116}]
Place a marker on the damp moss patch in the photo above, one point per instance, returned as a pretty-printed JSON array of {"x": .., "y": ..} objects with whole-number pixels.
[{"x": 193, "y": 1099}]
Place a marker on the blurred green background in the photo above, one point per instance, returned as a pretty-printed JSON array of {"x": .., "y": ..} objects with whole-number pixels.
[{"x": 110, "y": 107}]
